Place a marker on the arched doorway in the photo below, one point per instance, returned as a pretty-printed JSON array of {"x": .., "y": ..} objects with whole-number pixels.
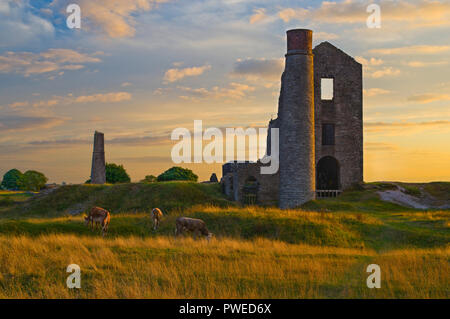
[
  {"x": 327, "y": 174},
  {"x": 250, "y": 191}
]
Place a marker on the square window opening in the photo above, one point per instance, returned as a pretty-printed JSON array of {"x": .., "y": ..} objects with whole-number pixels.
[
  {"x": 327, "y": 89},
  {"x": 327, "y": 134}
]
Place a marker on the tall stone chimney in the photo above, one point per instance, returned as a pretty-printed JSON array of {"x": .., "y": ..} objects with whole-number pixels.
[
  {"x": 98, "y": 172},
  {"x": 296, "y": 113}
]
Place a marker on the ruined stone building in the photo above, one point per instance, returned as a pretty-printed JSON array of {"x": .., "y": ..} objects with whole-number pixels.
[{"x": 320, "y": 130}]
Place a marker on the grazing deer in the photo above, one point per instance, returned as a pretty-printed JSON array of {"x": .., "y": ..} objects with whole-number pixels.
[
  {"x": 100, "y": 216},
  {"x": 156, "y": 217},
  {"x": 193, "y": 225}
]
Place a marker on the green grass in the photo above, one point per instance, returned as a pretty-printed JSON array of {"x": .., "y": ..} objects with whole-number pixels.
[
  {"x": 131, "y": 197},
  {"x": 319, "y": 250},
  {"x": 439, "y": 189}
]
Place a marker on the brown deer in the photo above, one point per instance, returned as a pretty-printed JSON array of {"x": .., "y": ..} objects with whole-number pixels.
[
  {"x": 193, "y": 225},
  {"x": 156, "y": 217},
  {"x": 100, "y": 216}
]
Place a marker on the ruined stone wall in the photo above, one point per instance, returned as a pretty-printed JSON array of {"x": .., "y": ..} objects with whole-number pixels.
[
  {"x": 344, "y": 111},
  {"x": 235, "y": 181}
]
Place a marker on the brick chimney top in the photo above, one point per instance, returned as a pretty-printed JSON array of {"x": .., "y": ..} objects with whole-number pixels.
[{"x": 299, "y": 41}]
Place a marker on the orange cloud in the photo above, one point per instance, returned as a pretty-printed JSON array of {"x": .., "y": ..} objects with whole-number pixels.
[
  {"x": 53, "y": 60},
  {"x": 234, "y": 91},
  {"x": 369, "y": 62},
  {"x": 175, "y": 74},
  {"x": 19, "y": 123},
  {"x": 258, "y": 16},
  {"x": 111, "y": 97},
  {"x": 115, "y": 17},
  {"x": 387, "y": 71},
  {"x": 413, "y": 49},
  {"x": 420, "y": 64},
  {"x": 375, "y": 91},
  {"x": 404, "y": 13},
  {"x": 396, "y": 128},
  {"x": 19, "y": 104},
  {"x": 428, "y": 98}
]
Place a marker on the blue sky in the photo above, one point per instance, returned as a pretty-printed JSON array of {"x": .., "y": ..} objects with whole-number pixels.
[{"x": 137, "y": 69}]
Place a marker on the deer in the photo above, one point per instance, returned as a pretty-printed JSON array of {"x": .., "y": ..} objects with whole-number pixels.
[
  {"x": 184, "y": 224},
  {"x": 156, "y": 217},
  {"x": 100, "y": 216}
]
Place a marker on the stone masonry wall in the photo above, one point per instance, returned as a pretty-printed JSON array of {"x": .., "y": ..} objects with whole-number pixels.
[{"x": 344, "y": 111}]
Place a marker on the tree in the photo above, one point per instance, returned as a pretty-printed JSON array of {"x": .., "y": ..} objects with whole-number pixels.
[
  {"x": 177, "y": 173},
  {"x": 116, "y": 174},
  {"x": 11, "y": 179},
  {"x": 32, "y": 181},
  {"x": 149, "y": 179}
]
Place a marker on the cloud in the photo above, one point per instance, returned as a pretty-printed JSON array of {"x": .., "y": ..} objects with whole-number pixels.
[
  {"x": 387, "y": 71},
  {"x": 269, "y": 69},
  {"x": 375, "y": 91},
  {"x": 25, "y": 123},
  {"x": 380, "y": 147},
  {"x": 428, "y": 98},
  {"x": 259, "y": 15},
  {"x": 420, "y": 64},
  {"x": 61, "y": 142},
  {"x": 371, "y": 71},
  {"x": 403, "y": 127},
  {"x": 110, "y": 97},
  {"x": 413, "y": 49},
  {"x": 19, "y": 25},
  {"x": 419, "y": 13},
  {"x": 234, "y": 91},
  {"x": 175, "y": 74},
  {"x": 125, "y": 140},
  {"x": 325, "y": 36},
  {"x": 141, "y": 140},
  {"x": 113, "y": 18},
  {"x": 369, "y": 62},
  {"x": 145, "y": 159},
  {"x": 289, "y": 14},
  {"x": 19, "y": 104},
  {"x": 126, "y": 84},
  {"x": 51, "y": 61}
]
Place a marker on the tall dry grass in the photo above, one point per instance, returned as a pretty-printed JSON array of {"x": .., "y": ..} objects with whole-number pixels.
[{"x": 163, "y": 267}]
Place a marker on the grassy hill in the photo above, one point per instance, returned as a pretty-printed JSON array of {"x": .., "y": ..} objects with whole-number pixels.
[
  {"x": 119, "y": 198},
  {"x": 320, "y": 250}
]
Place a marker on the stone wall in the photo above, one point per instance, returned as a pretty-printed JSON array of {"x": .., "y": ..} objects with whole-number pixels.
[{"x": 344, "y": 111}]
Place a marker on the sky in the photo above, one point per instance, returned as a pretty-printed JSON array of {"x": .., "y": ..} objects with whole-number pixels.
[{"x": 138, "y": 69}]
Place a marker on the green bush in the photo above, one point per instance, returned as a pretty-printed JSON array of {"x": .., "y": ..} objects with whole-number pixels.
[
  {"x": 11, "y": 180},
  {"x": 149, "y": 179},
  {"x": 116, "y": 174},
  {"x": 32, "y": 181},
  {"x": 177, "y": 173}
]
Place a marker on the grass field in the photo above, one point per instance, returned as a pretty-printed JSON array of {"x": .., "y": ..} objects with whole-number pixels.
[{"x": 319, "y": 251}]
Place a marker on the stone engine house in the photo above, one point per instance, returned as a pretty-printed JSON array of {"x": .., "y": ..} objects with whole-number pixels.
[{"x": 320, "y": 130}]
